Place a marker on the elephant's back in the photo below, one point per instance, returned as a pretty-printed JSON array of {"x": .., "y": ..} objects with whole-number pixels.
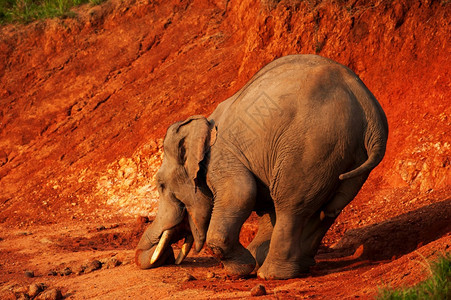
[
  {"x": 300, "y": 63},
  {"x": 291, "y": 88},
  {"x": 284, "y": 84},
  {"x": 291, "y": 75},
  {"x": 295, "y": 104}
]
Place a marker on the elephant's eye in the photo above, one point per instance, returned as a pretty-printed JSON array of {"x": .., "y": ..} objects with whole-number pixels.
[{"x": 161, "y": 186}]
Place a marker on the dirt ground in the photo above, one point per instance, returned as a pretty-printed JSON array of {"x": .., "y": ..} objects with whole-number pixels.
[
  {"x": 85, "y": 102},
  {"x": 392, "y": 253}
]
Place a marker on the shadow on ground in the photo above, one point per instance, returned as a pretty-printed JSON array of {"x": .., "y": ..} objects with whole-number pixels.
[{"x": 397, "y": 236}]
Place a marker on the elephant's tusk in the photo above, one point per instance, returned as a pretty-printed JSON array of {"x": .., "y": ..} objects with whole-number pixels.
[
  {"x": 189, "y": 240},
  {"x": 162, "y": 244}
]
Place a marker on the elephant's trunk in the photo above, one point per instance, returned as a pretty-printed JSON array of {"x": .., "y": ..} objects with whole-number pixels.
[
  {"x": 151, "y": 253},
  {"x": 143, "y": 257},
  {"x": 154, "y": 249}
]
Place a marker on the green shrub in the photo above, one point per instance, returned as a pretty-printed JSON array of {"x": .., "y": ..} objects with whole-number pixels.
[
  {"x": 20, "y": 10},
  {"x": 437, "y": 287},
  {"x": 25, "y": 11}
]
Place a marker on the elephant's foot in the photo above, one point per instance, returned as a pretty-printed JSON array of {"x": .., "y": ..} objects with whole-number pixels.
[
  {"x": 283, "y": 269},
  {"x": 239, "y": 262}
]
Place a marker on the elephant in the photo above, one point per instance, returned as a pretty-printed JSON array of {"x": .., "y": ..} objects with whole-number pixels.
[{"x": 295, "y": 145}]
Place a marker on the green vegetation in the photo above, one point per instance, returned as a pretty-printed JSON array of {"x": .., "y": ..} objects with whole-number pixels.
[
  {"x": 25, "y": 11},
  {"x": 438, "y": 286}
]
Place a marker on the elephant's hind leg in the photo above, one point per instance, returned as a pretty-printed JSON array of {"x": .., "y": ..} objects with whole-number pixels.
[
  {"x": 259, "y": 246},
  {"x": 319, "y": 223},
  {"x": 295, "y": 201},
  {"x": 284, "y": 260}
]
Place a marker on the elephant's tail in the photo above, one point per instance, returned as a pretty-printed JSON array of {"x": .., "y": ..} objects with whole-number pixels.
[
  {"x": 373, "y": 160},
  {"x": 376, "y": 130}
]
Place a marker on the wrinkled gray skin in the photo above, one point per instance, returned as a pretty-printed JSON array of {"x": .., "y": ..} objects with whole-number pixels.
[{"x": 295, "y": 144}]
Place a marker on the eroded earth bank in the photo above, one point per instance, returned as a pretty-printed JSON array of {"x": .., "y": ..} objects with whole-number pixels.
[{"x": 85, "y": 102}]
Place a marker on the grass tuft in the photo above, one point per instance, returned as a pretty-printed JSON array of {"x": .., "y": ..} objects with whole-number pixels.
[
  {"x": 437, "y": 287},
  {"x": 25, "y": 11}
]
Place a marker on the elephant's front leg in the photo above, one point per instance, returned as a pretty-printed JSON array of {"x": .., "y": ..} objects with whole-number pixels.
[{"x": 234, "y": 201}]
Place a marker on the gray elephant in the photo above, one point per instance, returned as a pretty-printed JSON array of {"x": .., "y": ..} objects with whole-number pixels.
[{"x": 295, "y": 144}]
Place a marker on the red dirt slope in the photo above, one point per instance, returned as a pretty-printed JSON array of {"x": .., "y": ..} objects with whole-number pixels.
[{"x": 85, "y": 103}]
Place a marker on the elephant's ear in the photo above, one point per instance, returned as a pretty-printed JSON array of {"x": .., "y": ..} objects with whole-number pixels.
[{"x": 196, "y": 136}]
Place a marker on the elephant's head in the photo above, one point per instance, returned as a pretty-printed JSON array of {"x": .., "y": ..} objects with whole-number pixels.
[{"x": 185, "y": 201}]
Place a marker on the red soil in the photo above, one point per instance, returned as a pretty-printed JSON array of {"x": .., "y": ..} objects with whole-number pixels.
[{"x": 85, "y": 102}]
